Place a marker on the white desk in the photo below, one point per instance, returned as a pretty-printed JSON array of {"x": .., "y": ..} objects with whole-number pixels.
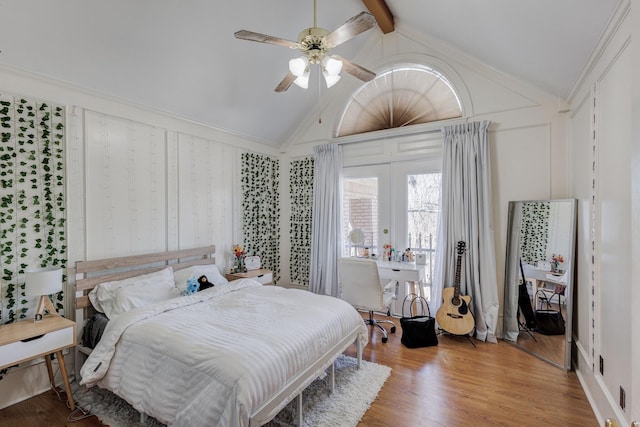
[
  {"x": 538, "y": 278},
  {"x": 408, "y": 275}
]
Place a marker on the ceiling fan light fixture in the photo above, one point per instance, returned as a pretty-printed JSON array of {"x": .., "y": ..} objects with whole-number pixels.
[
  {"x": 299, "y": 66},
  {"x": 303, "y": 80},
  {"x": 330, "y": 79},
  {"x": 314, "y": 44},
  {"x": 331, "y": 68},
  {"x": 331, "y": 65}
]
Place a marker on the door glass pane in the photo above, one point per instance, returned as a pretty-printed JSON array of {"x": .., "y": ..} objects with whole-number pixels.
[
  {"x": 423, "y": 209},
  {"x": 360, "y": 208}
]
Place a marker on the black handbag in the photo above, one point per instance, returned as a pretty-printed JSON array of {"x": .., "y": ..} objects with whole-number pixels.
[
  {"x": 417, "y": 330},
  {"x": 549, "y": 321}
]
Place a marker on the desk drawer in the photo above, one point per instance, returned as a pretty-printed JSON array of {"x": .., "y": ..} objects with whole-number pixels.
[
  {"x": 401, "y": 275},
  {"x": 19, "y": 351}
]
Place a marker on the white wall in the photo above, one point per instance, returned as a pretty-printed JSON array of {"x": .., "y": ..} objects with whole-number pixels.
[
  {"x": 635, "y": 208},
  {"x": 138, "y": 181},
  {"x": 147, "y": 188},
  {"x": 600, "y": 138}
]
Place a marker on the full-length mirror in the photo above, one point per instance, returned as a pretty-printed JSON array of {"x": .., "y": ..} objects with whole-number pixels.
[{"x": 539, "y": 269}]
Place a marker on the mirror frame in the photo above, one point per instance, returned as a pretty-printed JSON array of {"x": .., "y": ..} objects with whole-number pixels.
[{"x": 511, "y": 291}]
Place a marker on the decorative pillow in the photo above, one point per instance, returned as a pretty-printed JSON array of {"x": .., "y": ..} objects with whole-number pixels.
[
  {"x": 154, "y": 287},
  {"x": 210, "y": 270}
]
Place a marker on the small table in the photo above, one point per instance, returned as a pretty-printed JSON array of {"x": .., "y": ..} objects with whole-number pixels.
[
  {"x": 262, "y": 275},
  {"x": 27, "y": 340}
]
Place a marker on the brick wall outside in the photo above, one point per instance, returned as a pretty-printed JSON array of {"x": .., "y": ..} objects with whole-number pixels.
[{"x": 361, "y": 211}]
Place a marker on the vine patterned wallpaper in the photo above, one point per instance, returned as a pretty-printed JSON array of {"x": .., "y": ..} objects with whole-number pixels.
[
  {"x": 301, "y": 192},
  {"x": 260, "y": 177},
  {"x": 534, "y": 234},
  {"x": 32, "y": 199}
]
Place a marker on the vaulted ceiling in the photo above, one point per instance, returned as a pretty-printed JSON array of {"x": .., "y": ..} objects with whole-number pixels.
[{"x": 181, "y": 56}]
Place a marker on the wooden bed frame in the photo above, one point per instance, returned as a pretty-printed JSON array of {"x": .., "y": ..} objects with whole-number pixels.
[{"x": 89, "y": 274}]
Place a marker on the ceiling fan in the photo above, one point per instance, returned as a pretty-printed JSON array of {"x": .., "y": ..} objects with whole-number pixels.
[{"x": 315, "y": 44}]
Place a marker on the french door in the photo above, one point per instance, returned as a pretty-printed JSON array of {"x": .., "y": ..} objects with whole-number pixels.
[{"x": 394, "y": 204}]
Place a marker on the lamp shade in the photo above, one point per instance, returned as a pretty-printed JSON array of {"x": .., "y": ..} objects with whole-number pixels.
[
  {"x": 303, "y": 80},
  {"x": 332, "y": 65},
  {"x": 331, "y": 68},
  {"x": 330, "y": 79},
  {"x": 299, "y": 66},
  {"x": 43, "y": 281}
]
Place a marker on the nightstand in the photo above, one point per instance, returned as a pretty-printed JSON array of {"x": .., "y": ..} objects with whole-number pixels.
[
  {"x": 262, "y": 275},
  {"x": 27, "y": 340}
]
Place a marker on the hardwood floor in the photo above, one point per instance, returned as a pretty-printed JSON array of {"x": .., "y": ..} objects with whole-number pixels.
[{"x": 453, "y": 384}]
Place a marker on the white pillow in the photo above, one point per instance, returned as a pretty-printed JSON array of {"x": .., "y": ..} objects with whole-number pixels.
[
  {"x": 158, "y": 286},
  {"x": 130, "y": 297},
  {"x": 210, "y": 270}
]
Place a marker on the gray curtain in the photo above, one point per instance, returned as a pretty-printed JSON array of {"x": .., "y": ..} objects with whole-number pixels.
[
  {"x": 326, "y": 229},
  {"x": 466, "y": 215}
]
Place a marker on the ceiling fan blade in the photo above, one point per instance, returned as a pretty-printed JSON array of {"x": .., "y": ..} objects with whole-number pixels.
[
  {"x": 263, "y": 38},
  {"x": 286, "y": 82},
  {"x": 356, "y": 70},
  {"x": 354, "y": 26}
]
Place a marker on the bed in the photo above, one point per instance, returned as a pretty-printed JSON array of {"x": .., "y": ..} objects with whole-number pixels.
[{"x": 231, "y": 355}]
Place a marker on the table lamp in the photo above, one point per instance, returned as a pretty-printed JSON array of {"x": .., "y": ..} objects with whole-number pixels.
[{"x": 43, "y": 282}]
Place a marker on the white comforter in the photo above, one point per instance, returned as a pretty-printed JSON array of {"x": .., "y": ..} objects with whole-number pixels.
[{"x": 211, "y": 359}]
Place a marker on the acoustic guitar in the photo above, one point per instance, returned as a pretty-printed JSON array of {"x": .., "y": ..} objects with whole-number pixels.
[{"x": 454, "y": 315}]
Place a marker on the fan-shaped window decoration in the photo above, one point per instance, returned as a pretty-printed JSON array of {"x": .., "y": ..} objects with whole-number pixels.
[{"x": 403, "y": 96}]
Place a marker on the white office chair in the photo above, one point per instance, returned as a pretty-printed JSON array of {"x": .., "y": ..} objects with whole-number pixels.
[{"x": 361, "y": 287}]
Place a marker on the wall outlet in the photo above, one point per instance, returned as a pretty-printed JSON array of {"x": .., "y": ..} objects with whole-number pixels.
[{"x": 601, "y": 365}]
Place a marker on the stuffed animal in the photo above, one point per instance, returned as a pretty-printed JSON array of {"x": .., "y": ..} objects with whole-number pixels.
[
  {"x": 192, "y": 286},
  {"x": 204, "y": 283}
]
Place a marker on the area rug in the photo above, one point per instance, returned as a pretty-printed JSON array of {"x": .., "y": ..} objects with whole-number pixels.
[{"x": 355, "y": 390}]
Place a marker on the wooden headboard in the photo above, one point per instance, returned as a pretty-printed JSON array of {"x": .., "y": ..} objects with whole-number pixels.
[{"x": 89, "y": 274}]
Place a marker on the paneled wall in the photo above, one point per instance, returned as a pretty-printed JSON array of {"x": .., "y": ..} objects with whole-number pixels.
[
  {"x": 204, "y": 188},
  {"x": 126, "y": 186},
  {"x": 147, "y": 188},
  {"x": 601, "y": 163}
]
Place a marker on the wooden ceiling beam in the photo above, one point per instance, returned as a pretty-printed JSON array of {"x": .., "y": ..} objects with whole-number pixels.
[{"x": 380, "y": 10}]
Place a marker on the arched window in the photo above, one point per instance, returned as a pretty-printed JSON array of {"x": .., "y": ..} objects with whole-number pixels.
[{"x": 405, "y": 95}]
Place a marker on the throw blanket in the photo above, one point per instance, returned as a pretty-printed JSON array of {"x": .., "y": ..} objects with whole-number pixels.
[{"x": 214, "y": 357}]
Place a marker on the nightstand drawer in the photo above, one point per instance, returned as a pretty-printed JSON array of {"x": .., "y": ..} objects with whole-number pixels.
[
  {"x": 265, "y": 279},
  {"x": 19, "y": 351},
  {"x": 263, "y": 275}
]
